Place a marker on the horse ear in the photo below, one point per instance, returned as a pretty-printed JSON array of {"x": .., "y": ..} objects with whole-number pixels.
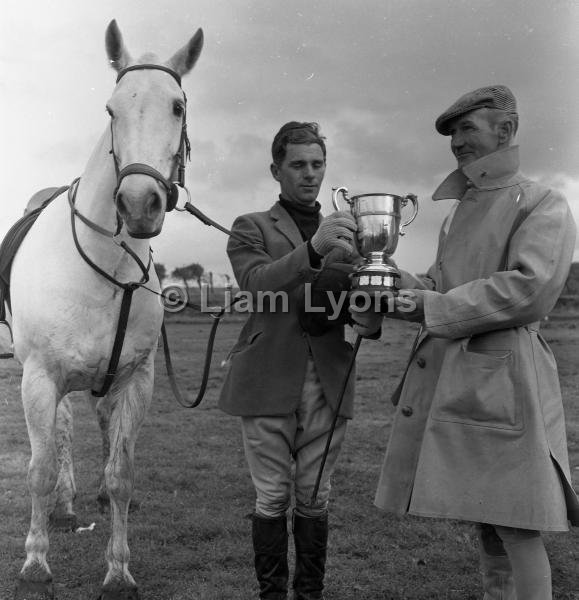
[
  {"x": 184, "y": 59},
  {"x": 118, "y": 55}
]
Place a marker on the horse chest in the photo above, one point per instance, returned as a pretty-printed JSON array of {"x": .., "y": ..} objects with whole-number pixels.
[
  {"x": 92, "y": 337},
  {"x": 77, "y": 337}
]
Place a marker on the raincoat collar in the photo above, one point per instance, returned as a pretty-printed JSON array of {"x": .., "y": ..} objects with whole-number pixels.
[{"x": 494, "y": 171}]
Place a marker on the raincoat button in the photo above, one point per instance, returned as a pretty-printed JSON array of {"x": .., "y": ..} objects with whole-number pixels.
[
  {"x": 421, "y": 362},
  {"x": 407, "y": 411}
]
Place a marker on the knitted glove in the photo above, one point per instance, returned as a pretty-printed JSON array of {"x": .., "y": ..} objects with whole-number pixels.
[{"x": 335, "y": 231}]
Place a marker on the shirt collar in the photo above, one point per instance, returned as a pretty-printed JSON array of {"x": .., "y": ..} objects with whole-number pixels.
[{"x": 494, "y": 171}]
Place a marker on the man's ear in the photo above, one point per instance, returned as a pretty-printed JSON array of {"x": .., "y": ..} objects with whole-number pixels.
[
  {"x": 506, "y": 131},
  {"x": 274, "y": 171}
]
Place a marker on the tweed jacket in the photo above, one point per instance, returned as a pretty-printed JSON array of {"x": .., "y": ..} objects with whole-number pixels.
[
  {"x": 479, "y": 432},
  {"x": 267, "y": 365}
]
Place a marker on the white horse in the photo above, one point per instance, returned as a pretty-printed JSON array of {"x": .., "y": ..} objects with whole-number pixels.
[{"x": 67, "y": 286}]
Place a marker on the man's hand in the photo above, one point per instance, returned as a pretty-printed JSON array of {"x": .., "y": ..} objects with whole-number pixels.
[
  {"x": 367, "y": 323},
  {"x": 335, "y": 231},
  {"x": 408, "y": 306}
]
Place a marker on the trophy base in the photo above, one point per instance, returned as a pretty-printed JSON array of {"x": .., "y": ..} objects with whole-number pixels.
[
  {"x": 375, "y": 286},
  {"x": 376, "y": 278}
]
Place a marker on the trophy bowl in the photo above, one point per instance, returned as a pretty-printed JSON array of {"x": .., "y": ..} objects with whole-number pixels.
[{"x": 378, "y": 217}]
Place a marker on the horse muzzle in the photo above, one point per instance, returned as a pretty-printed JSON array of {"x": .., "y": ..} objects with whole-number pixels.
[{"x": 141, "y": 203}]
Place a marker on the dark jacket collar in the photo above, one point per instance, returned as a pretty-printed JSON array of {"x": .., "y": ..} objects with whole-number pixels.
[
  {"x": 285, "y": 224},
  {"x": 494, "y": 171}
]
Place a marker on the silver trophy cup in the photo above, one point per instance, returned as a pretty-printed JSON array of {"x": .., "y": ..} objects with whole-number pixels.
[{"x": 378, "y": 217}]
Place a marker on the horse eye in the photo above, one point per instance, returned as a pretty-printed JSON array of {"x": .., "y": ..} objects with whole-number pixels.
[{"x": 178, "y": 108}]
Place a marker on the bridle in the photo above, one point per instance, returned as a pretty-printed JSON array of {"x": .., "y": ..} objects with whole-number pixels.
[
  {"x": 172, "y": 196},
  {"x": 181, "y": 157},
  {"x": 129, "y": 287}
]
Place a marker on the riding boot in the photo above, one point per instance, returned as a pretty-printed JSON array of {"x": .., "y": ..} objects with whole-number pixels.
[
  {"x": 495, "y": 566},
  {"x": 270, "y": 540},
  {"x": 311, "y": 541}
]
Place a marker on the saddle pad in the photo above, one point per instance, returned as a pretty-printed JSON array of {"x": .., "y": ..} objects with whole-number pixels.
[{"x": 11, "y": 243}]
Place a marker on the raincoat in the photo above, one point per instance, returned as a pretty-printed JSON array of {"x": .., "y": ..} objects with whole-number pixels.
[{"x": 479, "y": 432}]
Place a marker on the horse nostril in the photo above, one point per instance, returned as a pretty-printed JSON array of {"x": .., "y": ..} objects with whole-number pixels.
[
  {"x": 156, "y": 204},
  {"x": 121, "y": 208}
]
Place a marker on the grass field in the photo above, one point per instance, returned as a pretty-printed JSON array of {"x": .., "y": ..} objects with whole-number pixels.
[{"x": 191, "y": 537}]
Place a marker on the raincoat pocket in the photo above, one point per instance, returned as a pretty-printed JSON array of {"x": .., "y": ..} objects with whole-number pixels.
[{"x": 477, "y": 387}]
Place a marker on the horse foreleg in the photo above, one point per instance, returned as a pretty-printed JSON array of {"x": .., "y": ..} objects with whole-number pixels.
[
  {"x": 102, "y": 410},
  {"x": 130, "y": 404},
  {"x": 39, "y": 398},
  {"x": 62, "y": 516}
]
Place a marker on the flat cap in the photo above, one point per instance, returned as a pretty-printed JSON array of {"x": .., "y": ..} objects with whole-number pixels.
[{"x": 493, "y": 96}]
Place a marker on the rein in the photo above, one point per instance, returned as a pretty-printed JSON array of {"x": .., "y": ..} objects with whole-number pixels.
[{"x": 208, "y": 356}]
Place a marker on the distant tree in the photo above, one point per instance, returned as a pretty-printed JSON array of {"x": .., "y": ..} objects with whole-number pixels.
[
  {"x": 181, "y": 273},
  {"x": 160, "y": 270},
  {"x": 193, "y": 271},
  {"x": 227, "y": 279},
  {"x": 196, "y": 272},
  {"x": 210, "y": 279}
]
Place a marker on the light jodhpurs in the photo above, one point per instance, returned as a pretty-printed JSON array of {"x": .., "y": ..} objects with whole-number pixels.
[{"x": 276, "y": 447}]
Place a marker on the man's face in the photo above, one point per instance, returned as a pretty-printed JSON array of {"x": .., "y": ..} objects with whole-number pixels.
[
  {"x": 473, "y": 135},
  {"x": 301, "y": 173}
]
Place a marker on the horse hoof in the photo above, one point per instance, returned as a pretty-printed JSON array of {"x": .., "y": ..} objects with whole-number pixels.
[
  {"x": 34, "y": 590},
  {"x": 122, "y": 594},
  {"x": 62, "y": 522}
]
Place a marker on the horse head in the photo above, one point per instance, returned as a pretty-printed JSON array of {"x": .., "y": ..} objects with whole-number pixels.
[{"x": 148, "y": 131}]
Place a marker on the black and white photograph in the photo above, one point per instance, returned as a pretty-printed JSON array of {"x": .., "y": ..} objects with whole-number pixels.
[{"x": 289, "y": 300}]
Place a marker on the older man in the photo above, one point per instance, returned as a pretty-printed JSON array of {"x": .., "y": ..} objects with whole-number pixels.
[
  {"x": 479, "y": 433},
  {"x": 287, "y": 367}
]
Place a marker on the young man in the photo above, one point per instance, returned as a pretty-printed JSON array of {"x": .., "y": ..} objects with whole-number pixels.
[
  {"x": 284, "y": 380},
  {"x": 479, "y": 433}
]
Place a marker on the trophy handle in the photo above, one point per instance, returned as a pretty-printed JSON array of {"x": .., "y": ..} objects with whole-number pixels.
[
  {"x": 344, "y": 192},
  {"x": 414, "y": 199}
]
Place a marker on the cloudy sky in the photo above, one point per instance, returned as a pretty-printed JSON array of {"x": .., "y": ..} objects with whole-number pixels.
[{"x": 374, "y": 73}]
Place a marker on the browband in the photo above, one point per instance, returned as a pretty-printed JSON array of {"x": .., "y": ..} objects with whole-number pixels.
[{"x": 173, "y": 74}]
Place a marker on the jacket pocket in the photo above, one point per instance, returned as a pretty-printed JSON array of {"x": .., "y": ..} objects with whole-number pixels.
[
  {"x": 252, "y": 337},
  {"x": 243, "y": 344},
  {"x": 478, "y": 388}
]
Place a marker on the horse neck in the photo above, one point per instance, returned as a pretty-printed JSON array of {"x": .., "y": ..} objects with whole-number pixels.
[
  {"x": 95, "y": 201},
  {"x": 94, "y": 197}
]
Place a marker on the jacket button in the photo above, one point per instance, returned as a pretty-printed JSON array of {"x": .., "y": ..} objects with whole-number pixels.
[
  {"x": 407, "y": 411},
  {"x": 421, "y": 362}
]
